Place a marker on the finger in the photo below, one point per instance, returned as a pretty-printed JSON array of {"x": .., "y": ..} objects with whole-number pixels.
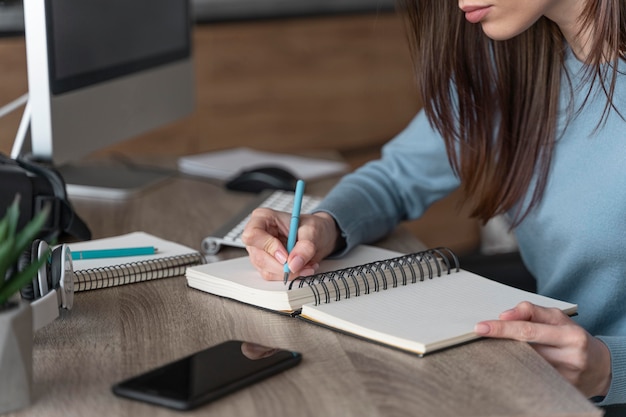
[
  {"x": 522, "y": 322},
  {"x": 267, "y": 265},
  {"x": 266, "y": 230},
  {"x": 272, "y": 270},
  {"x": 308, "y": 270},
  {"x": 267, "y": 221},
  {"x": 321, "y": 229},
  {"x": 525, "y": 331},
  {"x": 301, "y": 256},
  {"x": 526, "y": 311}
]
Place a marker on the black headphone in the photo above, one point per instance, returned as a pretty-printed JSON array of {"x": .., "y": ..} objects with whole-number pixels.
[
  {"x": 53, "y": 287},
  {"x": 41, "y": 185}
]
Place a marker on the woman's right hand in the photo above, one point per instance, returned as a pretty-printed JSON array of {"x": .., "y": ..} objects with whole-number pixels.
[{"x": 265, "y": 237}]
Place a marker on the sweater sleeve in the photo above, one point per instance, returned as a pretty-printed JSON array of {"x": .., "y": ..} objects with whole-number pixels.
[
  {"x": 617, "y": 390},
  {"x": 412, "y": 173}
]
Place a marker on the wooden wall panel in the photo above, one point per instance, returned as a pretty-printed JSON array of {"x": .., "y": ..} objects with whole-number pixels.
[{"x": 335, "y": 82}]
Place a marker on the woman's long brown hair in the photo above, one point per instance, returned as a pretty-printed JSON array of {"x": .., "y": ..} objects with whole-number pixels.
[{"x": 496, "y": 102}]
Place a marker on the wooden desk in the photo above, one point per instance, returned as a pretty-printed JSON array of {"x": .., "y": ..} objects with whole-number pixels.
[{"x": 114, "y": 333}]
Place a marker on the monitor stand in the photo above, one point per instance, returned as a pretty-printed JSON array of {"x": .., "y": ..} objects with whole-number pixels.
[
  {"x": 94, "y": 178},
  {"x": 108, "y": 180}
]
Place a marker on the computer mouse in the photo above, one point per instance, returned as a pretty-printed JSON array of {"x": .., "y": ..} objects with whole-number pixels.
[{"x": 261, "y": 178}]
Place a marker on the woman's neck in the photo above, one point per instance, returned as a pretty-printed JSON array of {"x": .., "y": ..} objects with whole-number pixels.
[{"x": 567, "y": 15}]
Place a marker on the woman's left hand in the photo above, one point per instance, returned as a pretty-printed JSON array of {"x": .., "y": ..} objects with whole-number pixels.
[{"x": 582, "y": 359}]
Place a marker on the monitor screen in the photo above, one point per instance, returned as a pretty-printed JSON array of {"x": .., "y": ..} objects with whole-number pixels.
[{"x": 91, "y": 41}]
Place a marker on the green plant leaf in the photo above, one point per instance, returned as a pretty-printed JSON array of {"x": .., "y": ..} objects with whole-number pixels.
[
  {"x": 4, "y": 228},
  {"x": 20, "y": 279},
  {"x": 30, "y": 231},
  {"x": 6, "y": 248},
  {"x": 13, "y": 215},
  {"x": 7, "y": 219},
  {"x": 12, "y": 247}
]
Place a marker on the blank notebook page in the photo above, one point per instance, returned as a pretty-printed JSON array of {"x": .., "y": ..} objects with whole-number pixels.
[{"x": 427, "y": 312}]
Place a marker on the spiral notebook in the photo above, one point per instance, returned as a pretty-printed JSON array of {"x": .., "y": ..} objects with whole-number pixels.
[
  {"x": 170, "y": 260},
  {"x": 420, "y": 302}
]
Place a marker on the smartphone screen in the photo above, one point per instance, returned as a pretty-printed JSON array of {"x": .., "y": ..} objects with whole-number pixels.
[{"x": 207, "y": 375}]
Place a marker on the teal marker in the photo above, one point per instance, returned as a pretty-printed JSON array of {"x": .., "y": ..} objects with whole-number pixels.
[{"x": 113, "y": 253}]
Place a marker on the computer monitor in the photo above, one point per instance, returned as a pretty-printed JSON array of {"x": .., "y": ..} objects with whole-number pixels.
[{"x": 100, "y": 72}]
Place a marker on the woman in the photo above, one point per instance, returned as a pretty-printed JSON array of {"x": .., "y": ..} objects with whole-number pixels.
[{"x": 524, "y": 111}]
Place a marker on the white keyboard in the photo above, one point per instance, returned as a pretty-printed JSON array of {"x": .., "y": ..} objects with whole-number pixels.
[{"x": 230, "y": 233}]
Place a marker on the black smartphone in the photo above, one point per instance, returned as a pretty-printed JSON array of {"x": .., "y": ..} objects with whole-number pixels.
[{"x": 207, "y": 375}]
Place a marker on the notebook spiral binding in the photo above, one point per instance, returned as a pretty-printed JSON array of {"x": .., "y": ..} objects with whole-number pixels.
[
  {"x": 374, "y": 276},
  {"x": 128, "y": 273}
]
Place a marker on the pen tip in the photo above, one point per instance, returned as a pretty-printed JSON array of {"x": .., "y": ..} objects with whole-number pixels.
[{"x": 286, "y": 278}]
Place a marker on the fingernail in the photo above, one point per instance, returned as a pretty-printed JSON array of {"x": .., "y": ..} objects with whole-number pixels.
[
  {"x": 296, "y": 264},
  {"x": 482, "y": 328},
  {"x": 280, "y": 257},
  {"x": 309, "y": 270}
]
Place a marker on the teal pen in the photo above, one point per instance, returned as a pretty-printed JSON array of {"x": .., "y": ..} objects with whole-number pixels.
[
  {"x": 113, "y": 253},
  {"x": 293, "y": 226}
]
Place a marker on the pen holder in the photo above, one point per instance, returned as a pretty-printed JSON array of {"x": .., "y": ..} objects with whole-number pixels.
[{"x": 16, "y": 356}]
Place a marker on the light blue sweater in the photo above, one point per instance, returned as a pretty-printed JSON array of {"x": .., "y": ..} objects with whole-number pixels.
[{"x": 574, "y": 242}]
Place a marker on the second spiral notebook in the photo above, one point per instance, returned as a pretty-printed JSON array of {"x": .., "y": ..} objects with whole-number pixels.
[
  {"x": 420, "y": 302},
  {"x": 170, "y": 260}
]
